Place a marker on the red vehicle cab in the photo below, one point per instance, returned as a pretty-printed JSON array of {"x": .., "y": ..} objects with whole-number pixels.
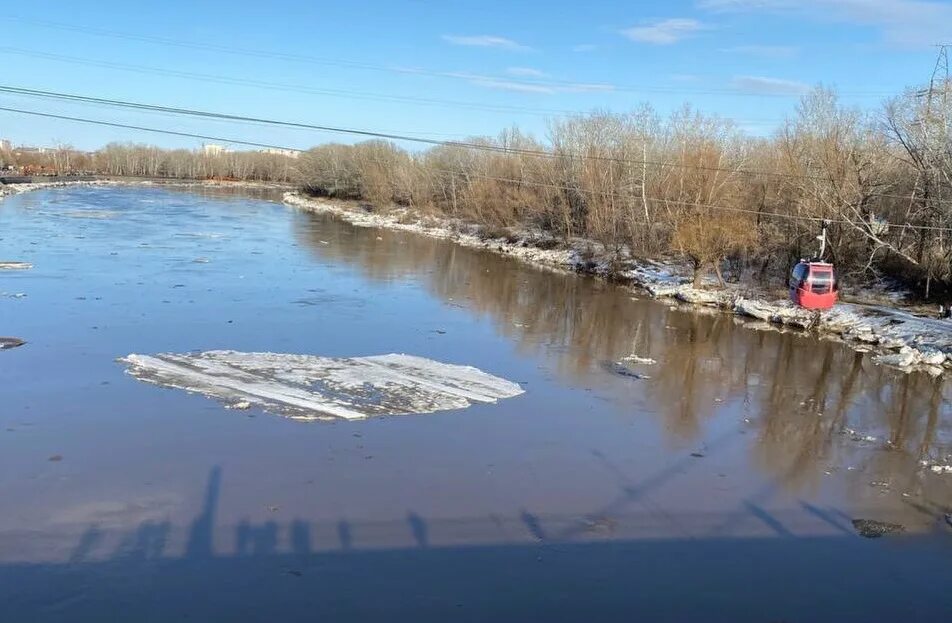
[{"x": 813, "y": 285}]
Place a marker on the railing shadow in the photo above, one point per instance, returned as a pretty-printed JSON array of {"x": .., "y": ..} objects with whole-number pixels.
[{"x": 278, "y": 572}]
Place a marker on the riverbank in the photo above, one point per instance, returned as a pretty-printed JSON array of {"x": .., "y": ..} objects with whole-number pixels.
[
  {"x": 894, "y": 336},
  {"x": 21, "y": 185}
]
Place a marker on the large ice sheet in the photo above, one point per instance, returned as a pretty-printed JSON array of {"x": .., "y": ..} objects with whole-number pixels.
[{"x": 308, "y": 387}]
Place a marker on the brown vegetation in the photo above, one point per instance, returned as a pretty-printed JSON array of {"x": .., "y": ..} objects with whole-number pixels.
[
  {"x": 644, "y": 185},
  {"x": 137, "y": 160}
]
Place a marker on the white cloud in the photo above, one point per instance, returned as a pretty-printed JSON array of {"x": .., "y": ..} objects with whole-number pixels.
[
  {"x": 665, "y": 32},
  {"x": 526, "y": 72},
  {"x": 769, "y": 86},
  {"x": 584, "y": 47},
  {"x": 486, "y": 41},
  {"x": 582, "y": 87},
  {"x": 765, "y": 51},
  {"x": 511, "y": 85},
  {"x": 900, "y": 22},
  {"x": 544, "y": 88}
]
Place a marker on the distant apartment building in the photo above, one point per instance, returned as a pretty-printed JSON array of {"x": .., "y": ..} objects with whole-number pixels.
[
  {"x": 214, "y": 150},
  {"x": 5, "y": 145},
  {"x": 290, "y": 153}
]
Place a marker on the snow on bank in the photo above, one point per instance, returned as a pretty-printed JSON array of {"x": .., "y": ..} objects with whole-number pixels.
[
  {"x": 308, "y": 388},
  {"x": 445, "y": 229},
  {"x": 897, "y": 338},
  {"x": 8, "y": 190}
]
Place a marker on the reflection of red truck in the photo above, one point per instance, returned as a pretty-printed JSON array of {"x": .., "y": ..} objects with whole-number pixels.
[{"x": 813, "y": 285}]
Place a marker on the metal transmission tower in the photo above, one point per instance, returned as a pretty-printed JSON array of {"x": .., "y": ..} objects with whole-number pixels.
[
  {"x": 935, "y": 126},
  {"x": 936, "y": 103},
  {"x": 940, "y": 74}
]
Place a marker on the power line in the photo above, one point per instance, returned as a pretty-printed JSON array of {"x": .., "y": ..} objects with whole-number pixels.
[
  {"x": 415, "y": 139},
  {"x": 105, "y": 104},
  {"x": 309, "y": 90},
  {"x": 460, "y": 173},
  {"x": 389, "y": 136},
  {"x": 292, "y": 88}
]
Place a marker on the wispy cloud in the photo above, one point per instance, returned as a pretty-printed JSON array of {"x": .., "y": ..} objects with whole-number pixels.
[
  {"x": 541, "y": 88},
  {"x": 768, "y": 86},
  {"x": 486, "y": 41},
  {"x": 665, "y": 32},
  {"x": 900, "y": 22},
  {"x": 512, "y": 85},
  {"x": 526, "y": 72},
  {"x": 584, "y": 47},
  {"x": 765, "y": 51}
]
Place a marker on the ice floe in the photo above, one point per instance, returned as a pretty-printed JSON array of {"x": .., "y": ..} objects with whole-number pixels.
[
  {"x": 308, "y": 387},
  {"x": 10, "y": 342}
]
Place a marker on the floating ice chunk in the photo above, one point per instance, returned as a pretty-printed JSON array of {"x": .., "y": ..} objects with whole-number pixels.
[
  {"x": 91, "y": 214},
  {"x": 858, "y": 436},
  {"x": 622, "y": 369},
  {"x": 646, "y": 361},
  {"x": 10, "y": 342},
  {"x": 307, "y": 387},
  {"x": 15, "y": 265},
  {"x": 905, "y": 358}
]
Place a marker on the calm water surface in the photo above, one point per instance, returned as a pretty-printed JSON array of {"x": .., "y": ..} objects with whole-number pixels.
[{"x": 720, "y": 488}]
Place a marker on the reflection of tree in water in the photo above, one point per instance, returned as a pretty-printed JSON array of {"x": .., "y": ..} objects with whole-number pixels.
[
  {"x": 801, "y": 394},
  {"x": 694, "y": 371},
  {"x": 824, "y": 400},
  {"x": 582, "y": 322}
]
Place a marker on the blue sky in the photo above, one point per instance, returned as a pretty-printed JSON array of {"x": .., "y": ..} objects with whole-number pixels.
[{"x": 450, "y": 69}]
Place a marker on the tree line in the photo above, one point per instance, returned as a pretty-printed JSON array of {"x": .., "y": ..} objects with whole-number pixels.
[
  {"x": 141, "y": 160},
  {"x": 642, "y": 185}
]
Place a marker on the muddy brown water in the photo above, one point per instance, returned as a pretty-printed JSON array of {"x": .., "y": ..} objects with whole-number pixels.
[{"x": 722, "y": 488}]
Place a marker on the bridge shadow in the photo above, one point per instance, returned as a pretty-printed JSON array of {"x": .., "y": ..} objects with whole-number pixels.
[{"x": 303, "y": 571}]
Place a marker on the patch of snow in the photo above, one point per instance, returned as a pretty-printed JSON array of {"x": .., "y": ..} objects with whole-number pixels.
[
  {"x": 308, "y": 387},
  {"x": 445, "y": 229},
  {"x": 937, "y": 467}
]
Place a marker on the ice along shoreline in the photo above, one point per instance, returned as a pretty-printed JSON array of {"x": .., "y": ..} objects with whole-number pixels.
[{"x": 895, "y": 337}]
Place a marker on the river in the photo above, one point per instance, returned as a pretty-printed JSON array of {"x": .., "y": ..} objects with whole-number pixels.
[{"x": 720, "y": 487}]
